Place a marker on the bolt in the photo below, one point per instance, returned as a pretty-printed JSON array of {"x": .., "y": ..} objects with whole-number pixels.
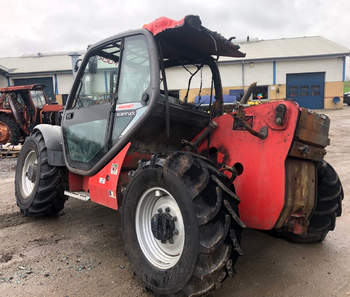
[
  {"x": 160, "y": 210},
  {"x": 174, "y": 218},
  {"x": 278, "y": 121},
  {"x": 176, "y": 232},
  {"x": 167, "y": 209},
  {"x": 171, "y": 241}
]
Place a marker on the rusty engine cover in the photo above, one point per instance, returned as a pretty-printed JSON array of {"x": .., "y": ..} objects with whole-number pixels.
[{"x": 278, "y": 184}]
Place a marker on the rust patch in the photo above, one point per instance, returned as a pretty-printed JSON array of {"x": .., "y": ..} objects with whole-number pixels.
[
  {"x": 300, "y": 195},
  {"x": 307, "y": 151},
  {"x": 313, "y": 128},
  {"x": 4, "y": 133}
]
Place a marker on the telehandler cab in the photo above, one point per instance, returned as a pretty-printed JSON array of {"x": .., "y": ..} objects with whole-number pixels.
[{"x": 187, "y": 181}]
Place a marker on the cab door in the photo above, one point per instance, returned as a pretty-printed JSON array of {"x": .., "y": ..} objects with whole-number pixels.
[
  {"x": 112, "y": 75},
  {"x": 88, "y": 112}
]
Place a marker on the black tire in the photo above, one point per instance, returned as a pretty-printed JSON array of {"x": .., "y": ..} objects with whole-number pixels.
[
  {"x": 212, "y": 235},
  {"x": 328, "y": 206},
  {"x": 347, "y": 100},
  {"x": 14, "y": 130},
  {"x": 47, "y": 196}
]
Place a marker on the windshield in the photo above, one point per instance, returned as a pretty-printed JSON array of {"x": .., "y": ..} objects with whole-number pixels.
[
  {"x": 99, "y": 80},
  {"x": 38, "y": 98}
]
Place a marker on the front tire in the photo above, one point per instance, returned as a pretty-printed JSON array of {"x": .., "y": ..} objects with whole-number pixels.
[
  {"x": 179, "y": 237},
  {"x": 39, "y": 186},
  {"x": 9, "y": 130}
]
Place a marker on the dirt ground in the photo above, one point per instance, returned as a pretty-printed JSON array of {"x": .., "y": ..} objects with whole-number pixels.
[{"x": 80, "y": 253}]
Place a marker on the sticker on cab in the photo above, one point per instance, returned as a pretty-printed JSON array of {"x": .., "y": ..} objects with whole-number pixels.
[
  {"x": 114, "y": 169},
  {"x": 126, "y": 113},
  {"x": 111, "y": 194}
]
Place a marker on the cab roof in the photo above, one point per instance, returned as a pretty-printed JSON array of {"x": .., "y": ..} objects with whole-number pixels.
[
  {"x": 189, "y": 34},
  {"x": 22, "y": 88}
]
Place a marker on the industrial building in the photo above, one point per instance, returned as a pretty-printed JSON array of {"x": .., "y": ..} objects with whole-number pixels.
[
  {"x": 310, "y": 70},
  {"x": 53, "y": 70}
]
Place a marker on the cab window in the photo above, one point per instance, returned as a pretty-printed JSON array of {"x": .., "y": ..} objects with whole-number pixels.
[
  {"x": 99, "y": 81},
  {"x": 38, "y": 98},
  {"x": 135, "y": 71}
]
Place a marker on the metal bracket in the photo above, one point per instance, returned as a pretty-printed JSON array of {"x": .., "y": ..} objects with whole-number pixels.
[{"x": 240, "y": 117}]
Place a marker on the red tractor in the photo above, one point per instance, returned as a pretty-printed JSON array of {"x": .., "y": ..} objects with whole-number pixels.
[
  {"x": 22, "y": 108},
  {"x": 187, "y": 181}
]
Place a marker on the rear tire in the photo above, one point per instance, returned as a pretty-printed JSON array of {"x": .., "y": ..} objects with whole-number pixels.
[
  {"x": 328, "y": 206},
  {"x": 211, "y": 236},
  {"x": 39, "y": 186},
  {"x": 9, "y": 130}
]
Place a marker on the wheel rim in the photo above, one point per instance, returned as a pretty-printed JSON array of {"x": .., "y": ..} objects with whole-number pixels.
[
  {"x": 159, "y": 202},
  {"x": 4, "y": 133},
  {"x": 29, "y": 173}
]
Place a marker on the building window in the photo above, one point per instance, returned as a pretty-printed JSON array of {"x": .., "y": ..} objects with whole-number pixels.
[
  {"x": 293, "y": 91},
  {"x": 261, "y": 92},
  {"x": 315, "y": 91},
  {"x": 304, "y": 91}
]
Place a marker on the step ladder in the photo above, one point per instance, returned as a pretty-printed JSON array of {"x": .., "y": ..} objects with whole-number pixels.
[{"x": 81, "y": 195}]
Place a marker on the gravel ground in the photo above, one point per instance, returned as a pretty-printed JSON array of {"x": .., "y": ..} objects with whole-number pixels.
[{"x": 80, "y": 252}]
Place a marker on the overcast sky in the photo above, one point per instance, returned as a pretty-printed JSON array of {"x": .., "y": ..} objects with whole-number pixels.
[{"x": 32, "y": 26}]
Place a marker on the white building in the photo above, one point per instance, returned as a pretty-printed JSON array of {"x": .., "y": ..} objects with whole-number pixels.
[
  {"x": 310, "y": 70},
  {"x": 53, "y": 70}
]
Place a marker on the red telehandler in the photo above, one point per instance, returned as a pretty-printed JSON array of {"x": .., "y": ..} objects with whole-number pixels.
[{"x": 187, "y": 181}]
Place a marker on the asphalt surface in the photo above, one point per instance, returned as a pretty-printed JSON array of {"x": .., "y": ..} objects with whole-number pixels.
[{"x": 80, "y": 252}]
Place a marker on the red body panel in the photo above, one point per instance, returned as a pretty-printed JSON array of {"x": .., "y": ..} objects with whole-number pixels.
[
  {"x": 261, "y": 186},
  {"x": 51, "y": 107},
  {"x": 103, "y": 185}
]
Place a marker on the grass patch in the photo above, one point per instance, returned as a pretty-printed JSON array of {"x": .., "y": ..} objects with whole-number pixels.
[{"x": 346, "y": 86}]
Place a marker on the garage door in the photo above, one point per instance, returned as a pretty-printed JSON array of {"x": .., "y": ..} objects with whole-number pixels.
[
  {"x": 307, "y": 89},
  {"x": 47, "y": 81}
]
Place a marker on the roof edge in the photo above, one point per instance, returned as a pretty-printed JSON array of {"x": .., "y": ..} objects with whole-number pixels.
[
  {"x": 311, "y": 57},
  {"x": 50, "y": 73}
]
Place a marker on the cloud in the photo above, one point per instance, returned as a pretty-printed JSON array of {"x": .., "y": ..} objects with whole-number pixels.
[{"x": 40, "y": 26}]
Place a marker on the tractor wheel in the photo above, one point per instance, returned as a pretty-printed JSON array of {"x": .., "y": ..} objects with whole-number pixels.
[
  {"x": 9, "y": 130},
  {"x": 38, "y": 186},
  {"x": 328, "y": 207},
  {"x": 180, "y": 226}
]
